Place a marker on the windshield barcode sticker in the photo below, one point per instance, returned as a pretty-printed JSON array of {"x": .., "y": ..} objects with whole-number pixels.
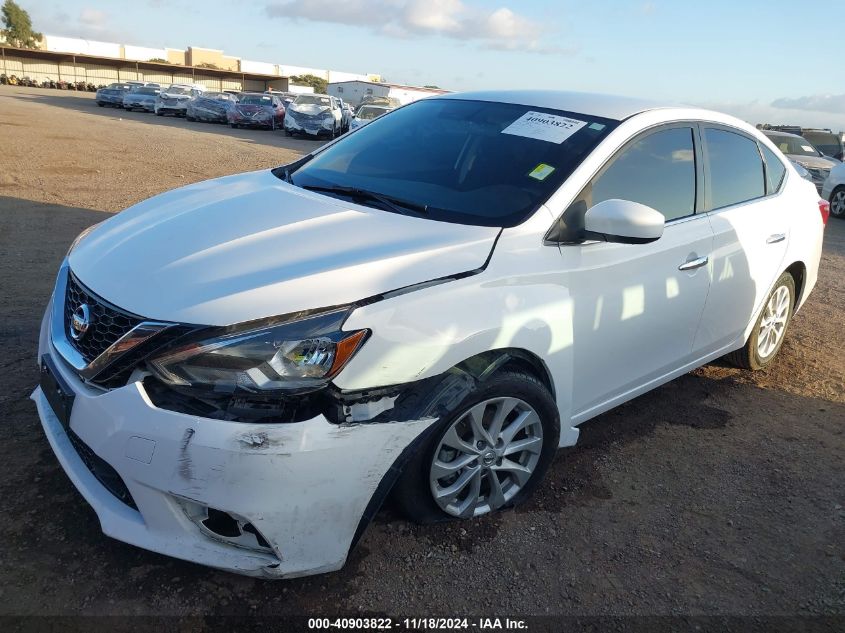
[{"x": 544, "y": 127}]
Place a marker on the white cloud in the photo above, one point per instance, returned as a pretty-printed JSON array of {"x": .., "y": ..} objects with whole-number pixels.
[
  {"x": 501, "y": 28},
  {"x": 647, "y": 8},
  {"x": 93, "y": 17},
  {"x": 817, "y": 103},
  {"x": 755, "y": 112}
]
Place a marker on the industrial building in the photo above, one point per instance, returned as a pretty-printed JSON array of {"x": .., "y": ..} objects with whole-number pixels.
[
  {"x": 354, "y": 91},
  {"x": 74, "y": 60}
]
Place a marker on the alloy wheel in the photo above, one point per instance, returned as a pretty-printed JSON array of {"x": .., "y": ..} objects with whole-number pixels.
[
  {"x": 837, "y": 203},
  {"x": 487, "y": 455},
  {"x": 773, "y": 324}
]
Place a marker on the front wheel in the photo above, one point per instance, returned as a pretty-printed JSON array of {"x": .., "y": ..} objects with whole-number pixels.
[
  {"x": 489, "y": 454},
  {"x": 837, "y": 203},
  {"x": 770, "y": 329}
]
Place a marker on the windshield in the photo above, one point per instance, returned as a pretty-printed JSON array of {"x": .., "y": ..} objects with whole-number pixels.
[
  {"x": 146, "y": 91},
  {"x": 826, "y": 142},
  {"x": 795, "y": 145},
  {"x": 256, "y": 100},
  {"x": 119, "y": 87},
  {"x": 312, "y": 99},
  {"x": 370, "y": 112},
  {"x": 178, "y": 90},
  {"x": 469, "y": 162}
]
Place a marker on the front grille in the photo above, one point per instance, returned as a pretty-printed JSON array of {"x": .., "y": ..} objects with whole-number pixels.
[
  {"x": 108, "y": 323},
  {"x": 102, "y": 470}
]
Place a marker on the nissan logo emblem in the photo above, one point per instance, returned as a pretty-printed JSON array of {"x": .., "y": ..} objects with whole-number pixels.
[{"x": 80, "y": 321}]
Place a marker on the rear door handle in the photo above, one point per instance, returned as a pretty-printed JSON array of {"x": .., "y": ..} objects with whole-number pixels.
[
  {"x": 694, "y": 263},
  {"x": 775, "y": 238}
]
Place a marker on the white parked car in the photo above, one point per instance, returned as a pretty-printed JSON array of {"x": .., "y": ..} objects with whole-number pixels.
[
  {"x": 175, "y": 99},
  {"x": 238, "y": 372},
  {"x": 367, "y": 113},
  {"x": 314, "y": 115},
  {"x": 833, "y": 190}
]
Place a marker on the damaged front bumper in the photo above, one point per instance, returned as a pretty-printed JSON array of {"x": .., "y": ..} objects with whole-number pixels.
[{"x": 270, "y": 500}]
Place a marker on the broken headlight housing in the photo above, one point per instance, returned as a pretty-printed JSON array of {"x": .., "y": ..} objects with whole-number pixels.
[{"x": 294, "y": 356}]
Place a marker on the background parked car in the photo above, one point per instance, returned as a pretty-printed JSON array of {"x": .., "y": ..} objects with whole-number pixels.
[
  {"x": 800, "y": 150},
  {"x": 210, "y": 107},
  {"x": 142, "y": 98},
  {"x": 367, "y": 113},
  {"x": 175, "y": 99},
  {"x": 347, "y": 114},
  {"x": 112, "y": 95},
  {"x": 833, "y": 190},
  {"x": 255, "y": 109},
  {"x": 315, "y": 115},
  {"x": 826, "y": 141}
]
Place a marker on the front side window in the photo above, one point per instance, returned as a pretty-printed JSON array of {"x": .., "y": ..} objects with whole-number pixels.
[
  {"x": 468, "y": 162},
  {"x": 736, "y": 168},
  {"x": 657, "y": 170},
  {"x": 775, "y": 170}
]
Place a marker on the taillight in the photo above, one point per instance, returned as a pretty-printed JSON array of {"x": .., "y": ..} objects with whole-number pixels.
[{"x": 824, "y": 209}]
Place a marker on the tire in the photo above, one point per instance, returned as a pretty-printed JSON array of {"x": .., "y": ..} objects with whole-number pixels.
[
  {"x": 102, "y": 105},
  {"x": 837, "y": 202},
  {"x": 414, "y": 493},
  {"x": 234, "y": 126},
  {"x": 757, "y": 353},
  {"x": 190, "y": 118},
  {"x": 159, "y": 113},
  {"x": 288, "y": 133}
]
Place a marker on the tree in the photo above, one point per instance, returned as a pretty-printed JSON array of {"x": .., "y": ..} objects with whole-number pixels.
[
  {"x": 208, "y": 65},
  {"x": 434, "y": 87},
  {"x": 158, "y": 60},
  {"x": 18, "y": 31},
  {"x": 319, "y": 84}
]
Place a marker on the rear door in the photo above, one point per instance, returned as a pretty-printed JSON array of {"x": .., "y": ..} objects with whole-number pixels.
[
  {"x": 637, "y": 307},
  {"x": 751, "y": 232}
]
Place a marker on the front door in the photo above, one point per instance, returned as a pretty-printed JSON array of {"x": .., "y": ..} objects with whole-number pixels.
[{"x": 637, "y": 307}]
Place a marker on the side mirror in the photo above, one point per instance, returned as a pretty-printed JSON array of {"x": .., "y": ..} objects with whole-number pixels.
[{"x": 624, "y": 222}]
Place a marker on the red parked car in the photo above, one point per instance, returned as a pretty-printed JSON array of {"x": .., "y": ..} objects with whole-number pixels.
[{"x": 255, "y": 109}]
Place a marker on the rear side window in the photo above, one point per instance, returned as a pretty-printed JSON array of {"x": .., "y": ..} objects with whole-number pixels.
[
  {"x": 657, "y": 170},
  {"x": 736, "y": 168},
  {"x": 775, "y": 170}
]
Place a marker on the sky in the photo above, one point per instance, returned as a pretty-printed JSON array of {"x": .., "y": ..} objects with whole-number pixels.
[{"x": 761, "y": 60}]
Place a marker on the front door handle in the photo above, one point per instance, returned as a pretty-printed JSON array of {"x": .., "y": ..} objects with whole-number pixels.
[
  {"x": 694, "y": 263},
  {"x": 775, "y": 238}
]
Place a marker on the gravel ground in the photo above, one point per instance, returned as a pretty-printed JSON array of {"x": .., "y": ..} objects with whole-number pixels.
[{"x": 720, "y": 493}]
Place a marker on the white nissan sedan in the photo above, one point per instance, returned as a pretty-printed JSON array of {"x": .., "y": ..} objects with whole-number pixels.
[{"x": 239, "y": 372}]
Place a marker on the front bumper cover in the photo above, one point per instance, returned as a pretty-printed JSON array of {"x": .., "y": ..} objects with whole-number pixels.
[{"x": 303, "y": 486}]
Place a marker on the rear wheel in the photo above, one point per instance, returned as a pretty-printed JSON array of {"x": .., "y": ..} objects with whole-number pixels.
[
  {"x": 770, "y": 329},
  {"x": 489, "y": 454},
  {"x": 837, "y": 202}
]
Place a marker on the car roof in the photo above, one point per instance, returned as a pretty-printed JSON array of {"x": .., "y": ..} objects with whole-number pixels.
[
  {"x": 606, "y": 106},
  {"x": 777, "y": 133}
]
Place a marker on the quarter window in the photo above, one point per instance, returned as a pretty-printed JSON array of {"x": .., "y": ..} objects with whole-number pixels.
[
  {"x": 657, "y": 170},
  {"x": 736, "y": 168},
  {"x": 774, "y": 170}
]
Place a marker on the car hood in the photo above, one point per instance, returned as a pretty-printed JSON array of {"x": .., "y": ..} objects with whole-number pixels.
[
  {"x": 814, "y": 162},
  {"x": 309, "y": 108},
  {"x": 167, "y": 95},
  {"x": 250, "y": 246}
]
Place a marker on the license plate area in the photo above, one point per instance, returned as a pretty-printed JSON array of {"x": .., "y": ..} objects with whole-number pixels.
[{"x": 58, "y": 393}]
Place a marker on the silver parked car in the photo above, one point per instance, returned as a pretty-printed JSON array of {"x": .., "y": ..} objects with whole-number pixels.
[
  {"x": 801, "y": 151},
  {"x": 141, "y": 98}
]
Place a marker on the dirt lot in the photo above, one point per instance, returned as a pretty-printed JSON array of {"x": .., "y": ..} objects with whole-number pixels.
[{"x": 720, "y": 493}]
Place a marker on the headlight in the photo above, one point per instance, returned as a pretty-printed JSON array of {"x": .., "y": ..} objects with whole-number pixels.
[
  {"x": 81, "y": 237},
  {"x": 301, "y": 355}
]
